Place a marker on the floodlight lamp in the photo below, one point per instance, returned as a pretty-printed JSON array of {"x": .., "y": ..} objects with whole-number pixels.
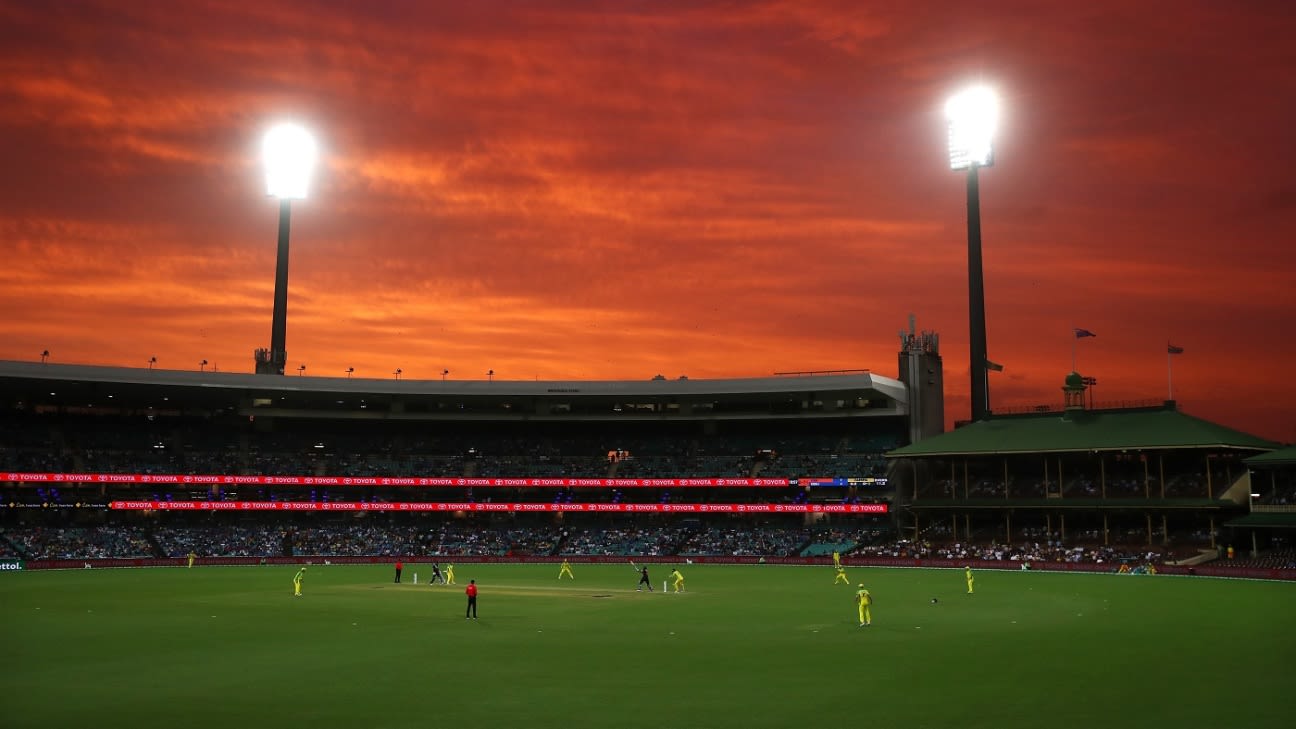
[
  {"x": 290, "y": 155},
  {"x": 973, "y": 116}
]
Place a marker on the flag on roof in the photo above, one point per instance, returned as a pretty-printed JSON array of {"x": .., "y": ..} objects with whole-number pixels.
[
  {"x": 1082, "y": 333},
  {"x": 1171, "y": 349}
]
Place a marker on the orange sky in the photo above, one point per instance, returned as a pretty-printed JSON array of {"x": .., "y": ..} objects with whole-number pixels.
[{"x": 614, "y": 190}]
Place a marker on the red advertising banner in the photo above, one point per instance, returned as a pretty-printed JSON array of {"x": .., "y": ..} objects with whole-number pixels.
[
  {"x": 499, "y": 507},
  {"x": 219, "y": 480}
]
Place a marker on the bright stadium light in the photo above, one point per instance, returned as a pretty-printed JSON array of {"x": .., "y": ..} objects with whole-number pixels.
[
  {"x": 973, "y": 116},
  {"x": 290, "y": 155}
]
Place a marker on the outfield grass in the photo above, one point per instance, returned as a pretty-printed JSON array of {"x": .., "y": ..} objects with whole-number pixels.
[{"x": 758, "y": 646}]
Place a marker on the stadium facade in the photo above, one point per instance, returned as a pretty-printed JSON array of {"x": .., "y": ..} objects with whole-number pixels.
[
  {"x": 83, "y": 438},
  {"x": 789, "y": 465}
]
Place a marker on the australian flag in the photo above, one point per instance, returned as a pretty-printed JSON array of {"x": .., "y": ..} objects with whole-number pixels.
[{"x": 1082, "y": 333}]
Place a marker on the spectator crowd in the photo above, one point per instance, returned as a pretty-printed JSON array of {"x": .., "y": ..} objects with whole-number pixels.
[{"x": 455, "y": 538}]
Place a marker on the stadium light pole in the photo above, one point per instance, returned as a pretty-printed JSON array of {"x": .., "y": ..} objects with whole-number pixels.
[
  {"x": 289, "y": 154},
  {"x": 973, "y": 115},
  {"x": 1090, "y": 383}
]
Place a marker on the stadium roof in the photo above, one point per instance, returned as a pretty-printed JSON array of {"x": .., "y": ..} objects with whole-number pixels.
[
  {"x": 288, "y": 396},
  {"x": 1083, "y": 430},
  {"x": 1281, "y": 457}
]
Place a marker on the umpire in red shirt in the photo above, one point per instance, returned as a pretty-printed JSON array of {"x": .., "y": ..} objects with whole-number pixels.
[
  {"x": 471, "y": 592},
  {"x": 399, "y": 566}
]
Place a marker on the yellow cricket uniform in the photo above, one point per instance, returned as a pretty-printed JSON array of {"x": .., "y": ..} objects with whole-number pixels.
[
  {"x": 841, "y": 576},
  {"x": 864, "y": 601},
  {"x": 192, "y": 557},
  {"x": 968, "y": 572},
  {"x": 836, "y": 558},
  {"x": 449, "y": 574},
  {"x": 565, "y": 569},
  {"x": 678, "y": 583},
  {"x": 297, "y": 580}
]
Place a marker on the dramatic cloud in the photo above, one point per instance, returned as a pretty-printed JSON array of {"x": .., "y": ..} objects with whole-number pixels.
[{"x": 615, "y": 190}]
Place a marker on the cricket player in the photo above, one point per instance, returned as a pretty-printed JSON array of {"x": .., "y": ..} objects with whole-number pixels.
[
  {"x": 678, "y": 583},
  {"x": 864, "y": 601},
  {"x": 297, "y": 580},
  {"x": 841, "y": 576},
  {"x": 643, "y": 580},
  {"x": 192, "y": 557},
  {"x": 436, "y": 575},
  {"x": 836, "y": 559},
  {"x": 449, "y": 574},
  {"x": 968, "y": 573},
  {"x": 565, "y": 569}
]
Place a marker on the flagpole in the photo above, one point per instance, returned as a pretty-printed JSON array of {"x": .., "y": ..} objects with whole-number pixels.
[
  {"x": 1074, "y": 336},
  {"x": 1169, "y": 373}
]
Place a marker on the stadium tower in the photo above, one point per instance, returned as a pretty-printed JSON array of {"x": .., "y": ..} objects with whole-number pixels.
[{"x": 923, "y": 374}]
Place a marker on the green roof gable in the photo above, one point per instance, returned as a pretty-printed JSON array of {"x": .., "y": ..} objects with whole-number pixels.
[
  {"x": 1083, "y": 430},
  {"x": 1281, "y": 457}
]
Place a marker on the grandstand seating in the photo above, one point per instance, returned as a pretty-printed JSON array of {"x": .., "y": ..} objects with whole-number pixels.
[
  {"x": 196, "y": 447},
  {"x": 199, "y": 446}
]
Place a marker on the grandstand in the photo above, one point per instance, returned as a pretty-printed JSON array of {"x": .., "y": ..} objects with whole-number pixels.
[
  {"x": 156, "y": 464},
  {"x": 1150, "y": 481},
  {"x": 1267, "y": 533},
  {"x": 102, "y": 463}
]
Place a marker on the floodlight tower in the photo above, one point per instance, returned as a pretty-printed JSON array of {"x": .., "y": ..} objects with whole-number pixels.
[
  {"x": 973, "y": 115},
  {"x": 290, "y": 154}
]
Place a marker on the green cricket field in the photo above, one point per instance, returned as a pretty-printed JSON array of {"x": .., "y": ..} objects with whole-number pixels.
[{"x": 742, "y": 646}]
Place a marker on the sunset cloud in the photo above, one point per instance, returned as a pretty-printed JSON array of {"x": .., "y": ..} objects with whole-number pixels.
[{"x": 607, "y": 190}]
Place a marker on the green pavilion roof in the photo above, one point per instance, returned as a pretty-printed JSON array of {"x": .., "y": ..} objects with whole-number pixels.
[
  {"x": 1084, "y": 430},
  {"x": 1281, "y": 457}
]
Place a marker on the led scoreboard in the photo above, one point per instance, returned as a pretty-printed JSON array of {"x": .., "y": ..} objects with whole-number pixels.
[{"x": 866, "y": 482}]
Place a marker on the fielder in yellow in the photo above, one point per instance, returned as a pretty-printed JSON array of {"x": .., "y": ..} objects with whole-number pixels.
[
  {"x": 841, "y": 576},
  {"x": 864, "y": 601},
  {"x": 449, "y": 574},
  {"x": 192, "y": 557},
  {"x": 968, "y": 572},
  {"x": 297, "y": 580},
  {"x": 678, "y": 580},
  {"x": 836, "y": 559},
  {"x": 565, "y": 569}
]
